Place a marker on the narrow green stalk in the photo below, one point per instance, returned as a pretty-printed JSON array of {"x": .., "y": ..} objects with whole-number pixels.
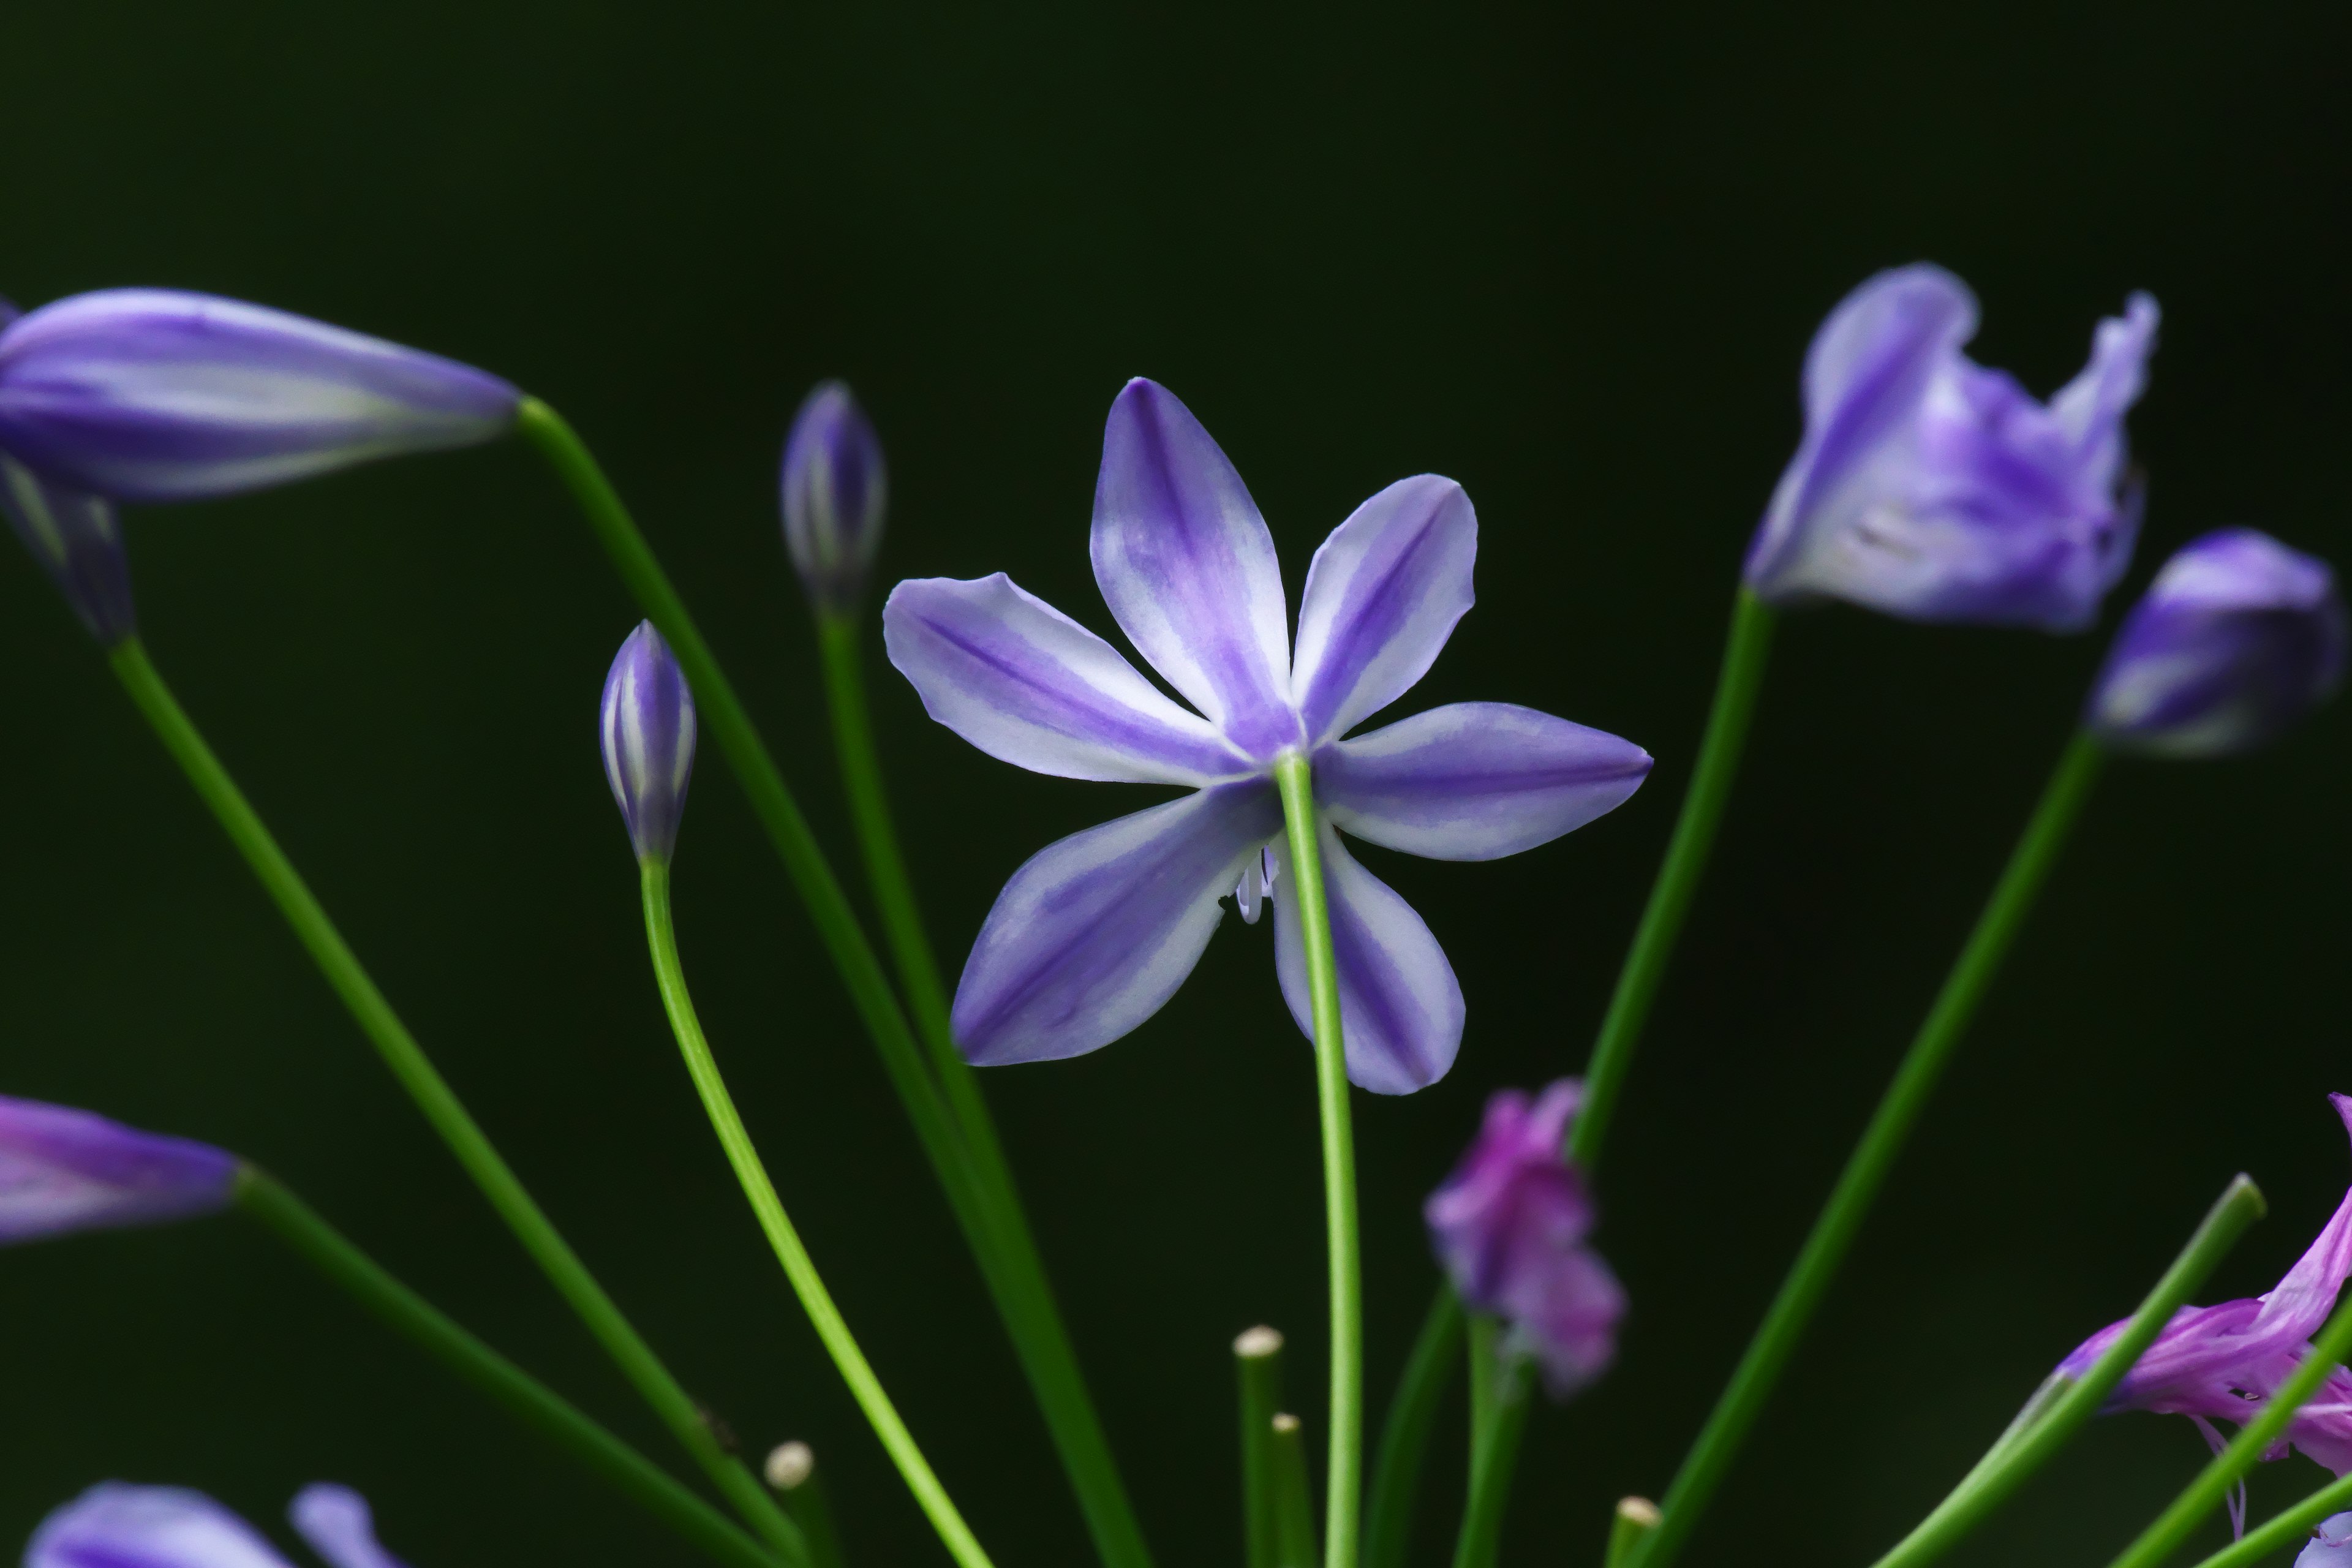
[
  {"x": 1628, "y": 1528},
  {"x": 1849, "y": 1203},
  {"x": 1486, "y": 1382},
  {"x": 1039, "y": 1335},
  {"x": 434, "y": 1097},
  {"x": 2289, "y": 1529},
  {"x": 2204, "y": 1494},
  {"x": 1404, "y": 1436},
  {"x": 1000, "y": 1241},
  {"x": 1736, "y": 690},
  {"x": 1345, "y": 1482},
  {"x": 1494, "y": 1455},
  {"x": 526, "y": 1398},
  {"x": 792, "y": 1470},
  {"x": 1294, "y": 1514},
  {"x": 2061, "y": 1406},
  {"x": 1257, "y": 1368},
  {"x": 823, "y": 1315}
]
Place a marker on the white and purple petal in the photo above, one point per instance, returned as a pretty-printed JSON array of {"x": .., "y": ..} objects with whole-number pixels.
[
  {"x": 1029, "y": 685},
  {"x": 1188, "y": 569},
  {"x": 1475, "y": 781},
  {"x": 1096, "y": 932},
  {"x": 1401, "y": 1007},
  {"x": 63, "y": 1170},
  {"x": 1383, "y": 596},
  {"x": 117, "y": 1525},
  {"x": 339, "y": 1527}
]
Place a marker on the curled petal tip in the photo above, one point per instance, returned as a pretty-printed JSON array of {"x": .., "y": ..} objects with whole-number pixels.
[
  {"x": 647, "y": 731},
  {"x": 836, "y": 492}
]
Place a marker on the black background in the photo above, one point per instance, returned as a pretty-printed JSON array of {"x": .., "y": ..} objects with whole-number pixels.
[{"x": 1571, "y": 261}]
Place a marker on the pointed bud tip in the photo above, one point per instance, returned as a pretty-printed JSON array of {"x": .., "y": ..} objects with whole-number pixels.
[
  {"x": 1257, "y": 1343},
  {"x": 789, "y": 1466},
  {"x": 836, "y": 491}
]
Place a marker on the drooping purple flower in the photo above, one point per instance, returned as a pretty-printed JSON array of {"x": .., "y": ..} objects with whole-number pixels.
[
  {"x": 2219, "y": 1364},
  {"x": 63, "y": 1170},
  {"x": 2237, "y": 638},
  {"x": 647, "y": 730},
  {"x": 1096, "y": 932},
  {"x": 1509, "y": 1224},
  {"x": 1930, "y": 488},
  {"x": 836, "y": 491},
  {"x": 119, "y": 1525},
  {"x": 77, "y": 540},
  {"x": 155, "y": 394}
]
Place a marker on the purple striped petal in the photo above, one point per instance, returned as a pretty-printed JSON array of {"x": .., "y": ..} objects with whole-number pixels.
[
  {"x": 116, "y": 1525},
  {"x": 1188, "y": 568},
  {"x": 1475, "y": 781},
  {"x": 77, "y": 540},
  {"x": 1096, "y": 932},
  {"x": 646, "y": 726},
  {"x": 1400, "y": 1007},
  {"x": 339, "y": 1527},
  {"x": 63, "y": 1170},
  {"x": 1029, "y": 685},
  {"x": 153, "y": 394},
  {"x": 1381, "y": 598}
]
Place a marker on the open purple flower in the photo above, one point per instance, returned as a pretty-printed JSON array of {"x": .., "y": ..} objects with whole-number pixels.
[
  {"x": 2237, "y": 638},
  {"x": 1933, "y": 488},
  {"x": 2219, "y": 1364},
  {"x": 155, "y": 395},
  {"x": 1510, "y": 1224},
  {"x": 2330, "y": 1545},
  {"x": 118, "y": 1525},
  {"x": 1096, "y": 932},
  {"x": 647, "y": 727},
  {"x": 63, "y": 1170},
  {"x": 836, "y": 491}
]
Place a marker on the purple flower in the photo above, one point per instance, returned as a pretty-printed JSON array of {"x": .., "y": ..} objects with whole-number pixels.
[
  {"x": 1509, "y": 1224},
  {"x": 647, "y": 730},
  {"x": 2330, "y": 1545},
  {"x": 152, "y": 395},
  {"x": 835, "y": 491},
  {"x": 2219, "y": 1363},
  {"x": 2237, "y": 638},
  {"x": 1930, "y": 488},
  {"x": 1096, "y": 932},
  {"x": 118, "y": 1525},
  {"x": 63, "y": 1170}
]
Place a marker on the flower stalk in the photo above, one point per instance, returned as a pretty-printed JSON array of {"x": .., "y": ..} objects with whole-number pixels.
[
  {"x": 1294, "y": 1514},
  {"x": 1404, "y": 1436},
  {"x": 2290, "y": 1528},
  {"x": 1257, "y": 1368},
  {"x": 1345, "y": 1481}
]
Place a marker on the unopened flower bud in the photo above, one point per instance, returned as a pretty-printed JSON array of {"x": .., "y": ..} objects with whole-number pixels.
[
  {"x": 647, "y": 732},
  {"x": 2237, "y": 638},
  {"x": 155, "y": 395},
  {"x": 835, "y": 493},
  {"x": 63, "y": 1171},
  {"x": 77, "y": 540}
]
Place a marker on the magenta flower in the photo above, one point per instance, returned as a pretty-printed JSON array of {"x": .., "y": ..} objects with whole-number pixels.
[
  {"x": 1933, "y": 488},
  {"x": 1509, "y": 1224},
  {"x": 1095, "y": 933},
  {"x": 117, "y": 1525},
  {"x": 63, "y": 1170}
]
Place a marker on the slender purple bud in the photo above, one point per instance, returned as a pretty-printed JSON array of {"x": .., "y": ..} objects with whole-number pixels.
[
  {"x": 836, "y": 491},
  {"x": 649, "y": 737},
  {"x": 155, "y": 394},
  {"x": 1509, "y": 1224},
  {"x": 77, "y": 540},
  {"x": 2237, "y": 638},
  {"x": 118, "y": 1525},
  {"x": 63, "y": 1170}
]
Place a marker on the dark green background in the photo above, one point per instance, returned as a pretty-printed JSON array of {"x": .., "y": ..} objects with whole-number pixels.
[{"x": 1569, "y": 259}]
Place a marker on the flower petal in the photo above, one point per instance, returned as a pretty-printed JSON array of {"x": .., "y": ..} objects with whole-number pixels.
[
  {"x": 63, "y": 1170},
  {"x": 1188, "y": 568},
  {"x": 1029, "y": 685},
  {"x": 1096, "y": 932},
  {"x": 1400, "y": 1007},
  {"x": 338, "y": 1526},
  {"x": 1381, "y": 598},
  {"x": 1475, "y": 781},
  {"x": 116, "y": 1525}
]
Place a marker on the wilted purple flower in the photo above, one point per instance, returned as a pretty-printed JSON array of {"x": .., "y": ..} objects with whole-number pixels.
[
  {"x": 153, "y": 394},
  {"x": 2237, "y": 638},
  {"x": 647, "y": 730},
  {"x": 63, "y": 1170},
  {"x": 1933, "y": 488},
  {"x": 118, "y": 1525},
  {"x": 2219, "y": 1363},
  {"x": 1509, "y": 1224},
  {"x": 1096, "y": 932},
  {"x": 836, "y": 491}
]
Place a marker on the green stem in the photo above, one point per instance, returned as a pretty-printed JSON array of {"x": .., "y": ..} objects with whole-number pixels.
[
  {"x": 1345, "y": 1483},
  {"x": 1495, "y": 1454},
  {"x": 434, "y": 1097},
  {"x": 524, "y": 1395},
  {"x": 1000, "y": 1240},
  {"x": 1257, "y": 1368},
  {"x": 2204, "y": 1494},
  {"x": 863, "y": 1386},
  {"x": 2061, "y": 1405},
  {"x": 1294, "y": 1514},
  {"x": 1736, "y": 690},
  {"x": 2289, "y": 1529},
  {"x": 1849, "y": 1203},
  {"x": 1404, "y": 1436},
  {"x": 812, "y": 1509},
  {"x": 1628, "y": 1528},
  {"x": 1026, "y": 1298}
]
